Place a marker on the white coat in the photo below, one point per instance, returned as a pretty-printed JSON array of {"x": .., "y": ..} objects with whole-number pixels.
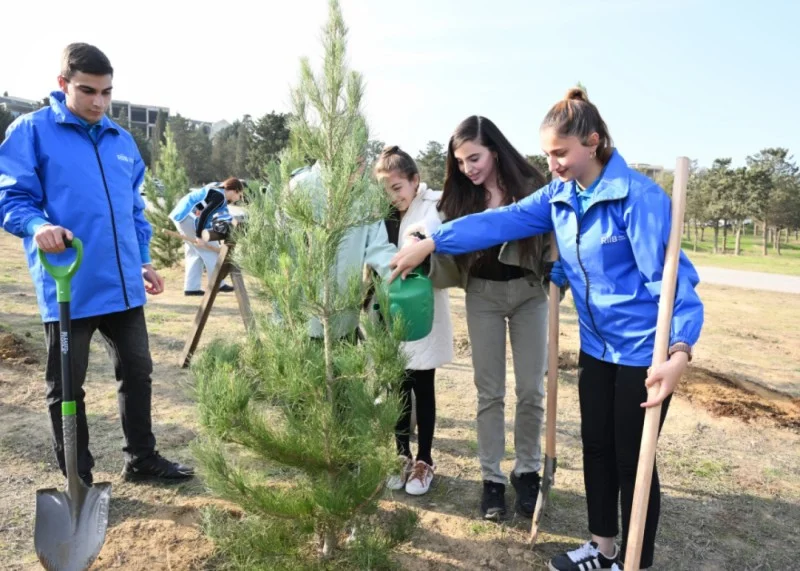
[{"x": 436, "y": 349}]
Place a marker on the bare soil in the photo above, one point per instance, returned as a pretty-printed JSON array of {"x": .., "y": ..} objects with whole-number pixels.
[{"x": 728, "y": 457}]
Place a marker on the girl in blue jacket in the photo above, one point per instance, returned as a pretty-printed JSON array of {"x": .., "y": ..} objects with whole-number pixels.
[
  {"x": 194, "y": 213},
  {"x": 612, "y": 226}
]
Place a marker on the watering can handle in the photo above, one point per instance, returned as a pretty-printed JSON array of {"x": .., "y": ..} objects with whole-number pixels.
[{"x": 63, "y": 274}]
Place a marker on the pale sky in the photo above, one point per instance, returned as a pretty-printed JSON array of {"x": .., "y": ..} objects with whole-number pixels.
[{"x": 704, "y": 79}]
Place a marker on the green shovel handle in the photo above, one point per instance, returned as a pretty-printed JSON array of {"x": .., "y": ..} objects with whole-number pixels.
[{"x": 63, "y": 274}]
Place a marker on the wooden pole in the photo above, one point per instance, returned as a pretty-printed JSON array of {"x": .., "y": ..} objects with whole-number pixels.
[
  {"x": 224, "y": 267},
  {"x": 550, "y": 462},
  {"x": 652, "y": 418},
  {"x": 205, "y": 246}
]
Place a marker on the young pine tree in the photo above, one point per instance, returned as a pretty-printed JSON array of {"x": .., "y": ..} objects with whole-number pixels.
[
  {"x": 319, "y": 413},
  {"x": 164, "y": 249}
]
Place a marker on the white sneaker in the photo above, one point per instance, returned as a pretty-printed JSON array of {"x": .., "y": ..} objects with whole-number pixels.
[
  {"x": 420, "y": 480},
  {"x": 398, "y": 481},
  {"x": 619, "y": 567}
]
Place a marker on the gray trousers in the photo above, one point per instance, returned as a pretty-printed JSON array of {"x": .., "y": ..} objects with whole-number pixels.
[{"x": 523, "y": 306}]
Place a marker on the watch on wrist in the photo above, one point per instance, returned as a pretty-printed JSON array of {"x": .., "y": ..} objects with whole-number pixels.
[{"x": 681, "y": 347}]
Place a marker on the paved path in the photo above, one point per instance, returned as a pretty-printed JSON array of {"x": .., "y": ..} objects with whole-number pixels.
[{"x": 749, "y": 280}]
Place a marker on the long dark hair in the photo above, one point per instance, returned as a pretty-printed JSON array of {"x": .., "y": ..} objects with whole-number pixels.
[{"x": 516, "y": 177}]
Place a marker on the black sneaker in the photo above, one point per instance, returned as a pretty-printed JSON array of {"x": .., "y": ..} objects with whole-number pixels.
[
  {"x": 493, "y": 502},
  {"x": 585, "y": 558},
  {"x": 226, "y": 288},
  {"x": 156, "y": 467},
  {"x": 527, "y": 488},
  {"x": 193, "y": 292}
]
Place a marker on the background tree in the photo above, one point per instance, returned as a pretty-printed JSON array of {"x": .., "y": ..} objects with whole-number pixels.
[
  {"x": 306, "y": 405},
  {"x": 374, "y": 149},
  {"x": 431, "y": 163},
  {"x": 165, "y": 250},
  {"x": 157, "y": 139},
  {"x": 269, "y": 137},
  {"x": 6, "y": 118},
  {"x": 194, "y": 148},
  {"x": 540, "y": 162}
]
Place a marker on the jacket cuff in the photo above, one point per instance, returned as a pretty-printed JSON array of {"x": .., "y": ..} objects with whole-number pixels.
[
  {"x": 144, "y": 251},
  {"x": 34, "y": 224}
]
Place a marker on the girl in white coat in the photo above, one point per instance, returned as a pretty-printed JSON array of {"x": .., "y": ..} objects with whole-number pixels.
[{"x": 415, "y": 213}]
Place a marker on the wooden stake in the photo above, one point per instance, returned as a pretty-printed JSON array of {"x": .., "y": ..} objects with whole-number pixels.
[
  {"x": 223, "y": 268},
  {"x": 205, "y": 246},
  {"x": 550, "y": 463},
  {"x": 647, "y": 451}
]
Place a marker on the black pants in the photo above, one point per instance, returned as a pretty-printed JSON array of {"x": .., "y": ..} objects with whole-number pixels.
[
  {"x": 611, "y": 429},
  {"x": 125, "y": 336},
  {"x": 422, "y": 383}
]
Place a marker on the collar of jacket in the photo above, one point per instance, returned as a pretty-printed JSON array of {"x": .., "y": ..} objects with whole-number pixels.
[
  {"x": 613, "y": 185},
  {"x": 64, "y": 116}
]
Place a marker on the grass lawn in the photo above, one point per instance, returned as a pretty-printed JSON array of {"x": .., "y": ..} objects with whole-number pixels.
[{"x": 751, "y": 257}]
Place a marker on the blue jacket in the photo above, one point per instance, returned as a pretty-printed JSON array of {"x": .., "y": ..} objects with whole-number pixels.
[
  {"x": 202, "y": 203},
  {"x": 613, "y": 258},
  {"x": 55, "y": 169}
]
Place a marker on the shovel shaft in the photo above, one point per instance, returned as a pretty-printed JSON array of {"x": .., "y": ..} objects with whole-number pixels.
[
  {"x": 68, "y": 406},
  {"x": 647, "y": 450},
  {"x": 65, "y": 337},
  {"x": 548, "y": 476}
]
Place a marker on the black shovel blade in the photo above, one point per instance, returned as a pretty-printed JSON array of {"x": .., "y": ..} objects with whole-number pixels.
[{"x": 70, "y": 531}]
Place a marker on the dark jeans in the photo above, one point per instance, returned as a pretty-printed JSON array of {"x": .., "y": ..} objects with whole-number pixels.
[
  {"x": 422, "y": 383},
  {"x": 611, "y": 429},
  {"x": 125, "y": 337}
]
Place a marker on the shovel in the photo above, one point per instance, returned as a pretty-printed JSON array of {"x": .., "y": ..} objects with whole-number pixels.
[
  {"x": 71, "y": 525},
  {"x": 652, "y": 418},
  {"x": 548, "y": 475}
]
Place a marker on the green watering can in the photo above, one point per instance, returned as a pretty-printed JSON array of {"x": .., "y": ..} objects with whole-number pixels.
[{"x": 411, "y": 299}]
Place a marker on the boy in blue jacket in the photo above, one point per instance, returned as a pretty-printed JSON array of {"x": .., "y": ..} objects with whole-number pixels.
[
  {"x": 612, "y": 226},
  {"x": 68, "y": 170}
]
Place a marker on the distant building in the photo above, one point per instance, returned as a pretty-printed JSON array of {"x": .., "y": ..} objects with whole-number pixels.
[
  {"x": 651, "y": 171},
  {"x": 17, "y": 105},
  {"x": 142, "y": 116}
]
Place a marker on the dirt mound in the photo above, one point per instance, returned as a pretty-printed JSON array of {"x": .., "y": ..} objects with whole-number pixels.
[
  {"x": 13, "y": 349},
  {"x": 722, "y": 396},
  {"x": 169, "y": 539}
]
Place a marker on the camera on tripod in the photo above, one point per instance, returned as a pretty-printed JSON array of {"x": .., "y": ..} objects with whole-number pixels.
[{"x": 222, "y": 226}]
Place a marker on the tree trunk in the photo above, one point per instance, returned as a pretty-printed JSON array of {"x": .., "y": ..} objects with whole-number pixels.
[
  {"x": 694, "y": 245},
  {"x": 755, "y": 228},
  {"x": 716, "y": 238},
  {"x": 764, "y": 243},
  {"x": 776, "y": 240},
  {"x": 702, "y": 233},
  {"x": 687, "y": 227},
  {"x": 737, "y": 249},
  {"x": 725, "y": 237}
]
